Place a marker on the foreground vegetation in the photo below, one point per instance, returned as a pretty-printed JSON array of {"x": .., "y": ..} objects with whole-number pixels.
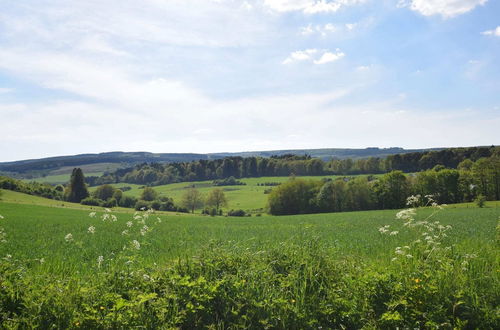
[{"x": 67, "y": 268}]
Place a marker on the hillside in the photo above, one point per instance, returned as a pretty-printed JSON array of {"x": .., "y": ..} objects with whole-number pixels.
[{"x": 109, "y": 161}]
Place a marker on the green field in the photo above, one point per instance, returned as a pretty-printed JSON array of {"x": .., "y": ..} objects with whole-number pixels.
[
  {"x": 62, "y": 174},
  {"x": 306, "y": 271},
  {"x": 249, "y": 197},
  {"x": 350, "y": 233}
]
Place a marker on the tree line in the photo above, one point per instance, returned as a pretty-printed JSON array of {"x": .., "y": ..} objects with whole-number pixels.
[
  {"x": 470, "y": 181},
  {"x": 286, "y": 165}
]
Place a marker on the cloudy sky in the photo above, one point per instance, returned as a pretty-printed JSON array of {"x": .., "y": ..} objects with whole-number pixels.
[{"x": 228, "y": 75}]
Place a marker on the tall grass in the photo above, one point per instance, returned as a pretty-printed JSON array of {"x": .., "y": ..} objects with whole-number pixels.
[{"x": 310, "y": 271}]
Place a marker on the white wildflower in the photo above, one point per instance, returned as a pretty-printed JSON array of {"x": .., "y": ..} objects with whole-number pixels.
[
  {"x": 413, "y": 200},
  {"x": 146, "y": 277},
  {"x": 42, "y": 260},
  {"x": 125, "y": 232},
  {"x": 393, "y": 233},
  {"x": 107, "y": 210},
  {"x": 136, "y": 244},
  {"x": 91, "y": 230},
  {"x": 92, "y": 214},
  {"x": 129, "y": 224},
  {"x": 69, "y": 237},
  {"x": 113, "y": 218},
  {"x": 144, "y": 230},
  {"x": 409, "y": 256},
  {"x": 1, "y": 217},
  {"x": 406, "y": 214},
  {"x": 100, "y": 260}
]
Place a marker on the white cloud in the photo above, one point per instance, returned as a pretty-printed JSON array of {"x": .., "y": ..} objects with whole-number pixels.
[
  {"x": 494, "y": 32},
  {"x": 445, "y": 8},
  {"x": 351, "y": 26},
  {"x": 300, "y": 55},
  {"x": 363, "y": 68},
  {"x": 310, "y": 6},
  {"x": 314, "y": 55},
  {"x": 329, "y": 57},
  {"x": 322, "y": 30}
]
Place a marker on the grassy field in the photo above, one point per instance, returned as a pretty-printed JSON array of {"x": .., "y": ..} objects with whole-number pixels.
[
  {"x": 350, "y": 233},
  {"x": 190, "y": 271},
  {"x": 249, "y": 197},
  {"x": 58, "y": 178},
  {"x": 62, "y": 175}
]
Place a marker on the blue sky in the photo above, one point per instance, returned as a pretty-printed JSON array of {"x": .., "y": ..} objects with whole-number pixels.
[{"x": 227, "y": 75}]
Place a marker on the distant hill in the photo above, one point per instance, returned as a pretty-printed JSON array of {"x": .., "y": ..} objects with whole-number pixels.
[{"x": 103, "y": 162}]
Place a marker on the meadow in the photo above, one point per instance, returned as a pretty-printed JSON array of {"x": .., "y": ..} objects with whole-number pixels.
[
  {"x": 249, "y": 197},
  {"x": 332, "y": 270}
]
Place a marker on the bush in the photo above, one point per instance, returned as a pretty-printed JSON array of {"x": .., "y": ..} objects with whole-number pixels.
[
  {"x": 109, "y": 203},
  {"x": 236, "y": 213},
  {"x": 480, "y": 201},
  {"x": 181, "y": 209},
  {"x": 231, "y": 181},
  {"x": 104, "y": 192},
  {"x": 127, "y": 201},
  {"x": 91, "y": 201},
  {"x": 156, "y": 205},
  {"x": 213, "y": 212},
  {"x": 141, "y": 205}
]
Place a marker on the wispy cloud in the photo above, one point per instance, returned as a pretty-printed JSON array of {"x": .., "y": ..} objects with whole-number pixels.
[
  {"x": 310, "y": 6},
  {"x": 445, "y": 8},
  {"x": 322, "y": 30},
  {"x": 328, "y": 57},
  {"x": 314, "y": 55},
  {"x": 494, "y": 32}
]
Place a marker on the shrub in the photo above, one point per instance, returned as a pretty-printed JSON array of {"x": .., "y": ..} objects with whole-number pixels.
[
  {"x": 109, "y": 203},
  {"x": 91, "y": 201},
  {"x": 156, "y": 205},
  {"x": 480, "y": 200},
  {"x": 236, "y": 213},
  {"x": 142, "y": 205},
  {"x": 127, "y": 201}
]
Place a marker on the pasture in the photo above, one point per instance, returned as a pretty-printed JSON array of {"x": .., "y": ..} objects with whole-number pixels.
[
  {"x": 189, "y": 271},
  {"x": 249, "y": 197}
]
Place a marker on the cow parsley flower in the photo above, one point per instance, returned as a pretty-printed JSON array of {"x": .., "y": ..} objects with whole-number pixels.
[
  {"x": 91, "y": 230},
  {"x": 129, "y": 224},
  {"x": 69, "y": 238},
  {"x": 92, "y": 214},
  {"x": 136, "y": 244},
  {"x": 100, "y": 260}
]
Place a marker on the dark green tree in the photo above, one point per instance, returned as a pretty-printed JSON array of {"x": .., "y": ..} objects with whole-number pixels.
[
  {"x": 104, "y": 192},
  {"x": 77, "y": 190},
  {"x": 149, "y": 194}
]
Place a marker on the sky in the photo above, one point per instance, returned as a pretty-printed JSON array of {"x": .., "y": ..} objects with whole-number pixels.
[{"x": 225, "y": 75}]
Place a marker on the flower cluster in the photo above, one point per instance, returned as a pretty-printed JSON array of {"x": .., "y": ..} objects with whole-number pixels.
[{"x": 68, "y": 238}]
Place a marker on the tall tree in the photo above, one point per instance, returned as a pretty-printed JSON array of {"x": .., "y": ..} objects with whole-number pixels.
[
  {"x": 192, "y": 199},
  {"x": 216, "y": 198},
  {"x": 149, "y": 194},
  {"x": 77, "y": 190}
]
